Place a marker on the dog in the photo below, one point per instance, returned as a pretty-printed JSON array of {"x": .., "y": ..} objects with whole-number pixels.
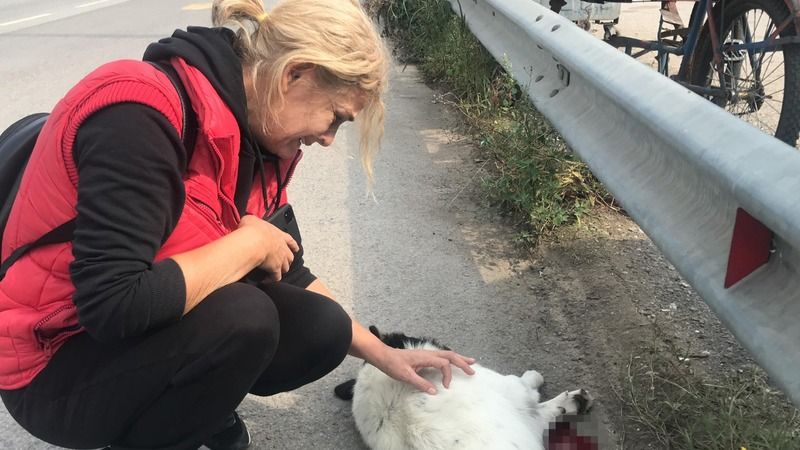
[{"x": 484, "y": 411}]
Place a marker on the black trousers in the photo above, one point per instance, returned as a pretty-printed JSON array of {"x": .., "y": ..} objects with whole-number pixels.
[{"x": 177, "y": 386}]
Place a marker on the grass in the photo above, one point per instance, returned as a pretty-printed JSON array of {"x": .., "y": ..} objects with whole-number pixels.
[
  {"x": 530, "y": 173},
  {"x": 674, "y": 406}
]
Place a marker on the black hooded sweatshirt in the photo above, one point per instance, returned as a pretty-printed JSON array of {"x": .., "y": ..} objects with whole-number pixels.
[{"x": 131, "y": 163}]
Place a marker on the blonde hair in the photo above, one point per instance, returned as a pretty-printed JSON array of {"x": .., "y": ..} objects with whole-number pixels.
[{"x": 336, "y": 36}]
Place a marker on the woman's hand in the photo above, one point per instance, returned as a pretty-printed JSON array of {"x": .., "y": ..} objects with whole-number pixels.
[
  {"x": 403, "y": 365},
  {"x": 278, "y": 248}
]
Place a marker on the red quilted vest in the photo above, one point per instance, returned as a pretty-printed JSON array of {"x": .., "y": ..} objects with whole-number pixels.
[{"x": 37, "y": 314}]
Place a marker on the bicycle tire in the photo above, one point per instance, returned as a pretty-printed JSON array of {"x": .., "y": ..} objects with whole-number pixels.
[{"x": 788, "y": 125}]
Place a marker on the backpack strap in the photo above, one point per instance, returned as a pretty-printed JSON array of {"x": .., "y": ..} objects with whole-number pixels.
[
  {"x": 61, "y": 233},
  {"x": 189, "y": 132},
  {"x": 64, "y": 232}
]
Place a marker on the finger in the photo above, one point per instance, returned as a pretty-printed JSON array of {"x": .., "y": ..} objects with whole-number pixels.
[
  {"x": 269, "y": 278},
  {"x": 464, "y": 364},
  {"x": 292, "y": 243},
  {"x": 276, "y": 276},
  {"x": 287, "y": 260},
  {"x": 447, "y": 373},
  {"x": 422, "y": 384}
]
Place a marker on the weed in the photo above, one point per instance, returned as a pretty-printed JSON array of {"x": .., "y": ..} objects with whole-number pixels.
[
  {"x": 532, "y": 174},
  {"x": 675, "y": 407}
]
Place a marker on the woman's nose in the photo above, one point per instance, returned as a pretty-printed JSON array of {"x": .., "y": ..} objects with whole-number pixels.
[{"x": 327, "y": 139}]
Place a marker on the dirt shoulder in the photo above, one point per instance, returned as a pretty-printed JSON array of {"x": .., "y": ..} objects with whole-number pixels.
[
  {"x": 594, "y": 298},
  {"x": 609, "y": 286},
  {"x": 602, "y": 297}
]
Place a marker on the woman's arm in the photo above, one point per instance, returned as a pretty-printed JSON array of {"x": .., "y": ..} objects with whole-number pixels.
[
  {"x": 130, "y": 165},
  {"x": 399, "y": 364},
  {"x": 256, "y": 243},
  {"x": 365, "y": 344},
  {"x": 130, "y": 195}
]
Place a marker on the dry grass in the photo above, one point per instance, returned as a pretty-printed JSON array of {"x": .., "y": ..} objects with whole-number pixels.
[{"x": 672, "y": 405}]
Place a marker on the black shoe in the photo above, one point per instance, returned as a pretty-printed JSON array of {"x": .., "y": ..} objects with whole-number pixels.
[{"x": 233, "y": 437}]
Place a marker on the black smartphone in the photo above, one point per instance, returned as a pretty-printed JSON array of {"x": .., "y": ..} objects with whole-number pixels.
[{"x": 285, "y": 221}]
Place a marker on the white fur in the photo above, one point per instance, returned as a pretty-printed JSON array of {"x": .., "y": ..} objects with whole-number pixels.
[{"x": 483, "y": 411}]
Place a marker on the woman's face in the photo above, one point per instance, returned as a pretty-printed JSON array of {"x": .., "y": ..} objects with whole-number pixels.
[{"x": 310, "y": 115}]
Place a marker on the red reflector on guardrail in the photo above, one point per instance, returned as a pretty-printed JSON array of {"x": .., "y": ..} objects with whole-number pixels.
[{"x": 750, "y": 247}]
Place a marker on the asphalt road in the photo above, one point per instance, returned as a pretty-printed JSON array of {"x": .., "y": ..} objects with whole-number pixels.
[{"x": 424, "y": 258}]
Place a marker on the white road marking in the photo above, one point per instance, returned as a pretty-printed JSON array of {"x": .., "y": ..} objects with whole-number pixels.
[
  {"x": 197, "y": 6},
  {"x": 58, "y": 13},
  {"x": 86, "y": 5},
  {"x": 14, "y": 22}
]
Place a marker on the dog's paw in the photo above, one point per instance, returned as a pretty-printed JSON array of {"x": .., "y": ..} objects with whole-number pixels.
[
  {"x": 574, "y": 402},
  {"x": 532, "y": 378},
  {"x": 345, "y": 390},
  {"x": 583, "y": 399},
  {"x": 579, "y": 402}
]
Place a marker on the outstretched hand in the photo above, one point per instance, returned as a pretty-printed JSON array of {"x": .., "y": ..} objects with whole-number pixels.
[{"x": 404, "y": 365}]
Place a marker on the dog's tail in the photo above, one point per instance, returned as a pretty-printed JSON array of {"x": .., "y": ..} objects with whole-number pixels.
[{"x": 345, "y": 390}]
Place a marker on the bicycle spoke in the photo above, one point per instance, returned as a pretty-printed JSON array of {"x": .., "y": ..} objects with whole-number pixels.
[
  {"x": 769, "y": 61},
  {"x": 773, "y": 71},
  {"x": 763, "y": 84},
  {"x": 750, "y": 81},
  {"x": 759, "y": 19},
  {"x": 752, "y": 84},
  {"x": 766, "y": 35},
  {"x": 758, "y": 119},
  {"x": 756, "y": 114},
  {"x": 773, "y": 108},
  {"x": 773, "y": 81},
  {"x": 758, "y": 123}
]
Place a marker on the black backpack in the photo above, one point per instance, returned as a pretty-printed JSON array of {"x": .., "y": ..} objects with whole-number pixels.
[{"x": 16, "y": 146}]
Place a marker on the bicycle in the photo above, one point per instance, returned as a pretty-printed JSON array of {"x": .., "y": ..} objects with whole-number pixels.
[{"x": 743, "y": 55}]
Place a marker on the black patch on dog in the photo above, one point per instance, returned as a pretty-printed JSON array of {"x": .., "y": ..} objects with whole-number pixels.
[
  {"x": 583, "y": 402},
  {"x": 400, "y": 340},
  {"x": 374, "y": 330},
  {"x": 345, "y": 390}
]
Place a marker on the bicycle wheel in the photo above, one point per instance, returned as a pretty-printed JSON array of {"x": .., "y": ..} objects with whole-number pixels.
[{"x": 762, "y": 87}]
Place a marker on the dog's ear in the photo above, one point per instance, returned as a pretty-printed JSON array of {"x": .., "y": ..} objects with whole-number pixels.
[
  {"x": 374, "y": 330},
  {"x": 345, "y": 390}
]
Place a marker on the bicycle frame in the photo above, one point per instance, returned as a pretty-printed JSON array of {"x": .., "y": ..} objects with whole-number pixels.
[
  {"x": 664, "y": 50},
  {"x": 702, "y": 12}
]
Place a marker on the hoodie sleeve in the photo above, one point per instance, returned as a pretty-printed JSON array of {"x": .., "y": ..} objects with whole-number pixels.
[{"x": 130, "y": 195}]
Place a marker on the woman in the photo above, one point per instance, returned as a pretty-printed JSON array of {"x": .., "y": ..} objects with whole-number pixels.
[{"x": 143, "y": 331}]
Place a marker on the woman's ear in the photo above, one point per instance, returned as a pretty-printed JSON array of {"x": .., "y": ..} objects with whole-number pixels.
[{"x": 297, "y": 71}]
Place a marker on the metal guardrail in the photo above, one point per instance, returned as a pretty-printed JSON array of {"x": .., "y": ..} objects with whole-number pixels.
[{"x": 680, "y": 166}]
